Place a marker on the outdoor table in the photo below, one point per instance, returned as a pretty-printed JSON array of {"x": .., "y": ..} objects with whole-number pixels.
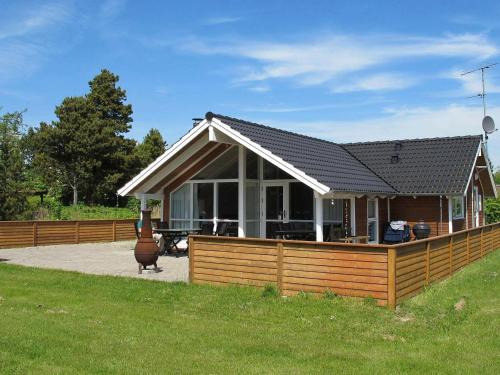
[
  {"x": 295, "y": 233},
  {"x": 355, "y": 239},
  {"x": 172, "y": 237}
]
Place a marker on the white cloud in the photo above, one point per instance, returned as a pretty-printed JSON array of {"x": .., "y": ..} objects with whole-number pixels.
[
  {"x": 25, "y": 38},
  {"x": 401, "y": 124},
  {"x": 260, "y": 88},
  {"x": 221, "y": 20},
  {"x": 471, "y": 83},
  {"x": 377, "y": 82},
  {"x": 19, "y": 58},
  {"x": 34, "y": 20},
  {"x": 321, "y": 60}
]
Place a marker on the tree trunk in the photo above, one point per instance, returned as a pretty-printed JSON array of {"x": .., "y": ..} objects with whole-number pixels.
[{"x": 75, "y": 193}]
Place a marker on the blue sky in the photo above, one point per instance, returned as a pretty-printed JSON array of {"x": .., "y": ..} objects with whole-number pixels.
[{"x": 345, "y": 71}]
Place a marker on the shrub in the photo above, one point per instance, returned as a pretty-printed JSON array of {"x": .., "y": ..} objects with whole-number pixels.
[
  {"x": 270, "y": 290},
  {"x": 492, "y": 210}
]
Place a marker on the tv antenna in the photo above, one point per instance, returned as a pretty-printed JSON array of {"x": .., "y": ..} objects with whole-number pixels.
[{"x": 487, "y": 123}]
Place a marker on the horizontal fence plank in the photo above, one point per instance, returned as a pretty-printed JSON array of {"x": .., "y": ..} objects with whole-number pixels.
[
  {"x": 359, "y": 271},
  {"x": 23, "y": 233}
]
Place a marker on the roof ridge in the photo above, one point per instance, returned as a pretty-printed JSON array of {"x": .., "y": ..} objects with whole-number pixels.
[
  {"x": 273, "y": 128},
  {"x": 309, "y": 137},
  {"x": 414, "y": 139}
]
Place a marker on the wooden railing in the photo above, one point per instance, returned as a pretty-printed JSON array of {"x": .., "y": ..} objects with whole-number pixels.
[
  {"x": 388, "y": 273},
  {"x": 38, "y": 233},
  {"x": 419, "y": 263}
]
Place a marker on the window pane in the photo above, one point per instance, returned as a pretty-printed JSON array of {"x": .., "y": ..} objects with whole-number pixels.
[
  {"x": 228, "y": 200},
  {"x": 274, "y": 202},
  {"x": 372, "y": 231},
  {"x": 301, "y": 202},
  {"x": 180, "y": 203},
  {"x": 252, "y": 165},
  {"x": 225, "y": 166},
  {"x": 457, "y": 207},
  {"x": 203, "y": 200},
  {"x": 179, "y": 224},
  {"x": 252, "y": 200},
  {"x": 371, "y": 208},
  {"x": 272, "y": 172},
  {"x": 332, "y": 210}
]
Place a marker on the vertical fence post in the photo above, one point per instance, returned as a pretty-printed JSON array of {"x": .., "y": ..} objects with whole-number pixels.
[
  {"x": 450, "y": 253},
  {"x": 468, "y": 246},
  {"x": 191, "y": 250},
  {"x": 279, "y": 276},
  {"x": 114, "y": 230},
  {"x": 427, "y": 262},
  {"x": 481, "y": 241},
  {"x": 391, "y": 277},
  {"x": 77, "y": 231},
  {"x": 35, "y": 233}
]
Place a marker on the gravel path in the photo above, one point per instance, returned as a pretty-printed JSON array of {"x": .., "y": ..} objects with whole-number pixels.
[{"x": 111, "y": 258}]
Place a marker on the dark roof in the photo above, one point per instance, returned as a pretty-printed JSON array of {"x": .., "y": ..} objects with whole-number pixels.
[
  {"x": 423, "y": 166},
  {"x": 327, "y": 162},
  {"x": 410, "y": 166}
]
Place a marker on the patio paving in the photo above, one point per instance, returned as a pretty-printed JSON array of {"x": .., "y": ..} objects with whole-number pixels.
[{"x": 110, "y": 258}]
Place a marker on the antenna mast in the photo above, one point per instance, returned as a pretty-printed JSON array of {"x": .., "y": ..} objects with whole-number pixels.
[{"x": 483, "y": 93}]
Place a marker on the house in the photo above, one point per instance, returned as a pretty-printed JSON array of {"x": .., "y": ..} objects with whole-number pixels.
[{"x": 254, "y": 176}]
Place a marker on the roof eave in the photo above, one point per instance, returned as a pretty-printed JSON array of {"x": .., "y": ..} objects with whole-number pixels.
[{"x": 129, "y": 187}]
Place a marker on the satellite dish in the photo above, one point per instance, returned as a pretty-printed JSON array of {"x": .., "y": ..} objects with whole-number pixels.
[{"x": 488, "y": 125}]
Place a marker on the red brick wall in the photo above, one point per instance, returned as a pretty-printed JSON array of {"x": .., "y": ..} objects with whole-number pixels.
[{"x": 421, "y": 208}]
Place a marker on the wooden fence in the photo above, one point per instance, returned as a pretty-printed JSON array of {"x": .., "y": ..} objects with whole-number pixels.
[
  {"x": 39, "y": 233},
  {"x": 388, "y": 273}
]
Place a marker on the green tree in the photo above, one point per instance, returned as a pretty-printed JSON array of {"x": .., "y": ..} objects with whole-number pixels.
[
  {"x": 85, "y": 150},
  {"x": 151, "y": 147},
  {"x": 12, "y": 166}
]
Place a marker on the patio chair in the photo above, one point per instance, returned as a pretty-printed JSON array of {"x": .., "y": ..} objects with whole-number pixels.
[
  {"x": 207, "y": 229},
  {"x": 272, "y": 229},
  {"x": 397, "y": 233},
  {"x": 221, "y": 229}
]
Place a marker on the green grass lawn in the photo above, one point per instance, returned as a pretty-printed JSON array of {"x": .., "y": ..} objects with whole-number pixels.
[{"x": 54, "y": 322}]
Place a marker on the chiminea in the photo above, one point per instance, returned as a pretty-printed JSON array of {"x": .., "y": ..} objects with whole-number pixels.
[
  {"x": 421, "y": 230},
  {"x": 146, "y": 250}
]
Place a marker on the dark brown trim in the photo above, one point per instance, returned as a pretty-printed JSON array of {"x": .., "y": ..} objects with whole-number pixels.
[
  {"x": 179, "y": 170},
  {"x": 148, "y": 178}
]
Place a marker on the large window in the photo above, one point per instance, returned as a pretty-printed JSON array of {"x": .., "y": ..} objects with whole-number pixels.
[
  {"x": 252, "y": 208},
  {"x": 333, "y": 211},
  {"x": 457, "y": 204},
  {"x": 252, "y": 160},
  {"x": 227, "y": 202},
  {"x": 180, "y": 207},
  {"x": 301, "y": 202},
  {"x": 203, "y": 203},
  {"x": 271, "y": 172},
  {"x": 196, "y": 203},
  {"x": 224, "y": 167}
]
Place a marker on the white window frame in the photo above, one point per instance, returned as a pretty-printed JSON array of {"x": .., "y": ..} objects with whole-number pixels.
[
  {"x": 460, "y": 214},
  {"x": 372, "y": 220}
]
